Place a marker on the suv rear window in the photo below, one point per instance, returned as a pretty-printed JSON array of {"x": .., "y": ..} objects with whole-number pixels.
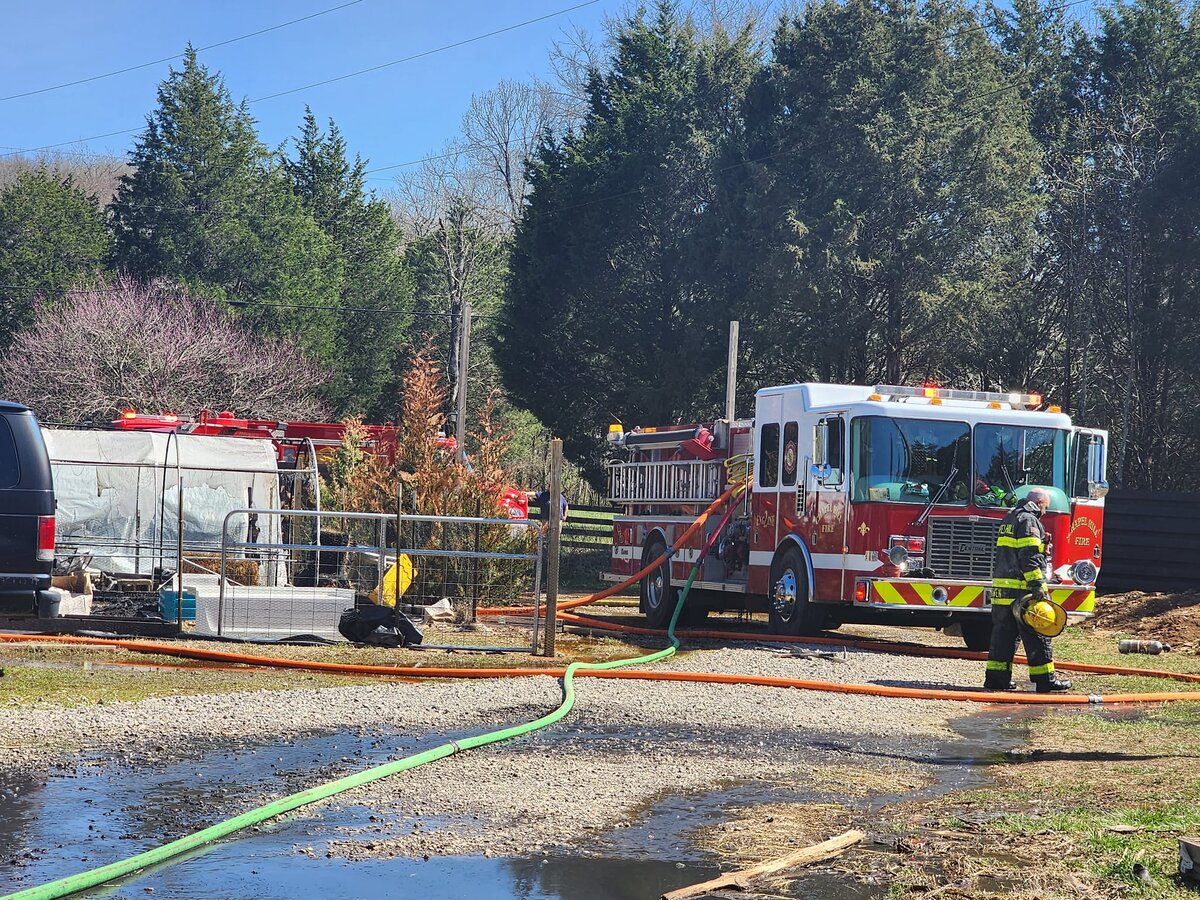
[{"x": 10, "y": 471}]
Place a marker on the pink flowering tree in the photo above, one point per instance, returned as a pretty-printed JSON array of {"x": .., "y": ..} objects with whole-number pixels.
[{"x": 154, "y": 348}]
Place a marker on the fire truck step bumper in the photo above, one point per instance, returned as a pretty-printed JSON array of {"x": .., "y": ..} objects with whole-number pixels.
[{"x": 897, "y": 593}]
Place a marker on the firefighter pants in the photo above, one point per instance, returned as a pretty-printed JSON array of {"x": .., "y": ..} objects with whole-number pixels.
[{"x": 1006, "y": 629}]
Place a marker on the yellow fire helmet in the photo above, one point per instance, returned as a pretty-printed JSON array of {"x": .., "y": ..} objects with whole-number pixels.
[{"x": 1045, "y": 617}]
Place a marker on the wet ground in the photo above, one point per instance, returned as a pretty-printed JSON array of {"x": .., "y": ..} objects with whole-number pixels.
[{"x": 76, "y": 817}]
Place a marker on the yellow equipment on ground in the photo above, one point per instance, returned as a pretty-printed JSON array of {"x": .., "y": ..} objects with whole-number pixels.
[
  {"x": 1045, "y": 617},
  {"x": 403, "y": 570}
]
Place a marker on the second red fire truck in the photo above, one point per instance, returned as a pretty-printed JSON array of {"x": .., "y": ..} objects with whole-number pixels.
[{"x": 862, "y": 504}]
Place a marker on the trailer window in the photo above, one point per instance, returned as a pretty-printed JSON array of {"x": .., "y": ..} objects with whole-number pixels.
[
  {"x": 791, "y": 450},
  {"x": 768, "y": 455},
  {"x": 910, "y": 460},
  {"x": 10, "y": 470}
]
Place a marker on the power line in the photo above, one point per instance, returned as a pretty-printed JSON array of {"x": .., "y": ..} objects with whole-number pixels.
[
  {"x": 1020, "y": 80},
  {"x": 424, "y": 53},
  {"x": 234, "y": 40},
  {"x": 984, "y": 26},
  {"x": 395, "y": 62}
]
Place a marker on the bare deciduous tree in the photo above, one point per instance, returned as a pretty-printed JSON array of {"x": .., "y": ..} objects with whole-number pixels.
[
  {"x": 92, "y": 174},
  {"x": 503, "y": 126},
  {"x": 453, "y": 207},
  {"x": 152, "y": 347}
]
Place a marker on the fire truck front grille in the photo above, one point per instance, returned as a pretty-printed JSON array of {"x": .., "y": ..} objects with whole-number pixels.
[{"x": 960, "y": 548}]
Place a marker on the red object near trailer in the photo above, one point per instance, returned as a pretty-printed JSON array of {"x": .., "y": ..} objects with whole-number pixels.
[
  {"x": 863, "y": 504},
  {"x": 289, "y": 437}
]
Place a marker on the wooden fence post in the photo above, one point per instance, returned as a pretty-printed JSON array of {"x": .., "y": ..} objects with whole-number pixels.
[{"x": 554, "y": 517}]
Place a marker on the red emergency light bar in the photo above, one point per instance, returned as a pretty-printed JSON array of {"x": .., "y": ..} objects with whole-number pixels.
[{"x": 135, "y": 421}]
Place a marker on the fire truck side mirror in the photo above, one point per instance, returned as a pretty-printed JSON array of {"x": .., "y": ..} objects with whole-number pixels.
[
  {"x": 1097, "y": 485},
  {"x": 820, "y": 466}
]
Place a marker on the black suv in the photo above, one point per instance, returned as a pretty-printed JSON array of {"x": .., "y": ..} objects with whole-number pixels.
[{"x": 26, "y": 511}]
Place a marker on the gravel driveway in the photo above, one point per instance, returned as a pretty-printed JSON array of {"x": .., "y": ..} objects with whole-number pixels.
[{"x": 626, "y": 745}]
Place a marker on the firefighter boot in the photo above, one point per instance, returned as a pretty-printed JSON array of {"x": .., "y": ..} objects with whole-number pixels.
[
  {"x": 1051, "y": 684},
  {"x": 998, "y": 681}
]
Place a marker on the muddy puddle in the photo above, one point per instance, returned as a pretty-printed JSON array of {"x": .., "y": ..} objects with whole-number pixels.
[{"x": 76, "y": 817}]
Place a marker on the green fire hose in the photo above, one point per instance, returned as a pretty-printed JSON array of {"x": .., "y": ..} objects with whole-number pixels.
[{"x": 73, "y": 884}]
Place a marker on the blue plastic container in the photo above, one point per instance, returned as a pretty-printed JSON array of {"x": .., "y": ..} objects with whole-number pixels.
[{"x": 168, "y": 605}]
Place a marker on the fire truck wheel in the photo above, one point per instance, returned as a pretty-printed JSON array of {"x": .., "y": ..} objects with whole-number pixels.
[
  {"x": 977, "y": 632},
  {"x": 790, "y": 609},
  {"x": 658, "y": 596}
]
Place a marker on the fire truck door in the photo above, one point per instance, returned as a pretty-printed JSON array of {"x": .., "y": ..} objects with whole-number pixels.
[
  {"x": 824, "y": 526},
  {"x": 766, "y": 508}
]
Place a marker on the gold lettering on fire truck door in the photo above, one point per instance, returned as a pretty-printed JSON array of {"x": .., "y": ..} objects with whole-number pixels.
[{"x": 765, "y": 520}]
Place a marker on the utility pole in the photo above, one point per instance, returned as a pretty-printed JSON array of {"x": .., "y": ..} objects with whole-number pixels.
[
  {"x": 464, "y": 353},
  {"x": 731, "y": 371}
]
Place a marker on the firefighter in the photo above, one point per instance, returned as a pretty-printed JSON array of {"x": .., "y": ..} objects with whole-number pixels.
[{"x": 1018, "y": 571}]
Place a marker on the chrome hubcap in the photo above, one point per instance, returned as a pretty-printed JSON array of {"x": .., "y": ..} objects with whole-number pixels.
[
  {"x": 785, "y": 595},
  {"x": 654, "y": 590}
]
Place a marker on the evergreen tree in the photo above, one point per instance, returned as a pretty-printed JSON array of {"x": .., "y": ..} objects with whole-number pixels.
[
  {"x": 604, "y": 313},
  {"x": 880, "y": 200},
  {"x": 1037, "y": 43},
  {"x": 52, "y": 236},
  {"x": 206, "y": 204},
  {"x": 376, "y": 291},
  {"x": 1135, "y": 231}
]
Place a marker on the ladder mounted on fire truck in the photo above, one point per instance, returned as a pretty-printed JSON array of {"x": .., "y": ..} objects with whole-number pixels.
[{"x": 680, "y": 465}]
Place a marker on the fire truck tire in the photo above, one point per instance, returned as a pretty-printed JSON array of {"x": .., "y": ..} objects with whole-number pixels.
[
  {"x": 657, "y": 594},
  {"x": 791, "y": 611},
  {"x": 977, "y": 632}
]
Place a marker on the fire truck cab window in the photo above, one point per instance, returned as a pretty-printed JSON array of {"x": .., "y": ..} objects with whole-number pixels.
[
  {"x": 791, "y": 451},
  {"x": 910, "y": 460},
  {"x": 768, "y": 455},
  {"x": 837, "y": 450},
  {"x": 1011, "y": 460},
  {"x": 1078, "y": 474}
]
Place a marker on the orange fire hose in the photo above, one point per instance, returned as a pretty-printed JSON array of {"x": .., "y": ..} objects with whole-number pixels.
[
  {"x": 556, "y": 672},
  {"x": 898, "y": 647}
]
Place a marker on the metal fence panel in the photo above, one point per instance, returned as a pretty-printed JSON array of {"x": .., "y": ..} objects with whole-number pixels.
[{"x": 336, "y": 559}]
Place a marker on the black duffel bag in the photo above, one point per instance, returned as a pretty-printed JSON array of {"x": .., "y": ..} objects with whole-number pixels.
[{"x": 381, "y": 625}]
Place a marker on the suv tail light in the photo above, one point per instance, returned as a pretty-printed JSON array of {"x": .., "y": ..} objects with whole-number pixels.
[{"x": 45, "y": 544}]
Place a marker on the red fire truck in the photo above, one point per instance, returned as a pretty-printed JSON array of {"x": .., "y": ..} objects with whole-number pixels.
[
  {"x": 292, "y": 437},
  {"x": 863, "y": 504}
]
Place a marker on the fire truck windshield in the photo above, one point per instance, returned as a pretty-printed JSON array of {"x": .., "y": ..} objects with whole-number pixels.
[
  {"x": 1010, "y": 460},
  {"x": 910, "y": 460}
]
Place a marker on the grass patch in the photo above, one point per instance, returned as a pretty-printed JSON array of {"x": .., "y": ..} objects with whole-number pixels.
[
  {"x": 1092, "y": 794},
  {"x": 81, "y": 684},
  {"x": 1088, "y": 645},
  {"x": 76, "y": 674}
]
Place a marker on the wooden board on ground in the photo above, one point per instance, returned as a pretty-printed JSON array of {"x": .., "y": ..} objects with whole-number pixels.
[{"x": 742, "y": 878}]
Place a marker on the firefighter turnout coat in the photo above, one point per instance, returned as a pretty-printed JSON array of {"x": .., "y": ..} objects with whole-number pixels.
[{"x": 1020, "y": 555}]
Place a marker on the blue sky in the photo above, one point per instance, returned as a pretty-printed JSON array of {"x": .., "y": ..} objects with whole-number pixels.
[{"x": 392, "y": 116}]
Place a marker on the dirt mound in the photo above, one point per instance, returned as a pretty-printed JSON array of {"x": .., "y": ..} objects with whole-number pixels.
[{"x": 1174, "y": 618}]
